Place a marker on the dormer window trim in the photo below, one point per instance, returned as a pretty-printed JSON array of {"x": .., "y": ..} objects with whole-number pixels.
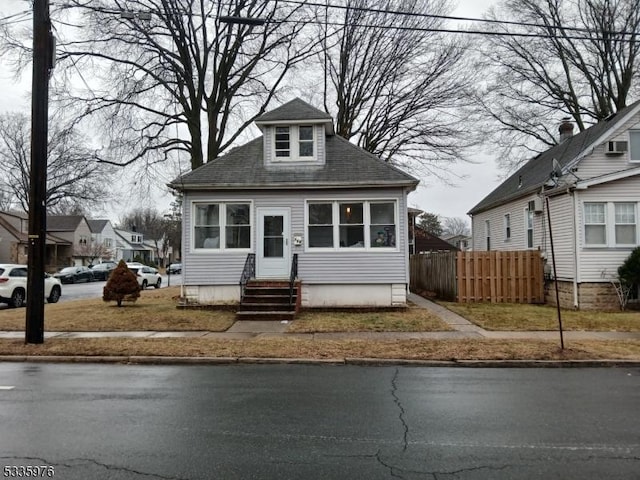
[{"x": 291, "y": 143}]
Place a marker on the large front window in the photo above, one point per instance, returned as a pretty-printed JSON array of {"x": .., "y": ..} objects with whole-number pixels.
[
  {"x": 222, "y": 226},
  {"x": 351, "y": 224}
]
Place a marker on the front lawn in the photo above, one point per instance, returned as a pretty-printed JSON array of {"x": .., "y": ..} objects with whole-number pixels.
[
  {"x": 522, "y": 317},
  {"x": 411, "y": 319},
  {"x": 154, "y": 310}
]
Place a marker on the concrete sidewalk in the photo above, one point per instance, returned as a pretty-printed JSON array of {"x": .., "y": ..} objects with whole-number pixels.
[{"x": 246, "y": 329}]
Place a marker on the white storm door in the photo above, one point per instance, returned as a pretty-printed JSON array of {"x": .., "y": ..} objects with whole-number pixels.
[{"x": 274, "y": 249}]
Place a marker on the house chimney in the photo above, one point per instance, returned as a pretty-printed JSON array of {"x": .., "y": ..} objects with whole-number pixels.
[{"x": 566, "y": 129}]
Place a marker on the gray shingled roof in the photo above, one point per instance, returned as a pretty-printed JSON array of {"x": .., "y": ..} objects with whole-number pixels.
[
  {"x": 536, "y": 172},
  {"x": 63, "y": 223},
  {"x": 347, "y": 165},
  {"x": 294, "y": 110}
]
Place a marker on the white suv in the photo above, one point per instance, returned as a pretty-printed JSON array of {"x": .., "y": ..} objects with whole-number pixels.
[
  {"x": 13, "y": 285},
  {"x": 147, "y": 276}
]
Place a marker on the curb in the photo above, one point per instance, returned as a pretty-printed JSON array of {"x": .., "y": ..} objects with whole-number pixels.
[{"x": 158, "y": 360}]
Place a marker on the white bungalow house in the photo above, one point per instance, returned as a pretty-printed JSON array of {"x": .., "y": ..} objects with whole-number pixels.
[
  {"x": 592, "y": 183},
  {"x": 298, "y": 197}
]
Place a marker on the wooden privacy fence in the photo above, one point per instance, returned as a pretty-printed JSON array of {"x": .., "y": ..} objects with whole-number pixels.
[
  {"x": 514, "y": 277},
  {"x": 434, "y": 272},
  {"x": 497, "y": 277}
]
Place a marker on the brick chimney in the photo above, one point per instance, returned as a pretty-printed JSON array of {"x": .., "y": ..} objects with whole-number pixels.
[{"x": 566, "y": 129}]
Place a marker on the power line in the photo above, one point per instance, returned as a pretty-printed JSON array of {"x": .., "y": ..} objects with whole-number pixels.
[
  {"x": 449, "y": 17},
  {"x": 10, "y": 19}
]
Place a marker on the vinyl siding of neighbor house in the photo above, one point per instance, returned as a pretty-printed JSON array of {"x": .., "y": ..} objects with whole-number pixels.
[
  {"x": 518, "y": 240},
  {"x": 596, "y": 260},
  {"x": 342, "y": 267},
  {"x": 562, "y": 218},
  {"x": 599, "y": 163}
]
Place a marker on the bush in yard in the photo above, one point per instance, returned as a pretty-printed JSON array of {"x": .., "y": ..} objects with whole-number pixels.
[
  {"x": 121, "y": 286},
  {"x": 629, "y": 271}
]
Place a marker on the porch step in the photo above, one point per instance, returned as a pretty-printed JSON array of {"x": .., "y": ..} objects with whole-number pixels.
[{"x": 268, "y": 300}]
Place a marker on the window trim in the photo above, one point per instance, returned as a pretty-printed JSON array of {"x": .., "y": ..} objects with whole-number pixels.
[
  {"x": 222, "y": 248},
  {"x": 529, "y": 214},
  {"x": 605, "y": 224},
  {"x": 366, "y": 225},
  {"x": 294, "y": 144},
  {"x": 507, "y": 227},
  {"x": 630, "y": 133},
  {"x": 615, "y": 224}
]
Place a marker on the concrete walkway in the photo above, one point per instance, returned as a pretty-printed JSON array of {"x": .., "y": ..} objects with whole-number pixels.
[{"x": 247, "y": 329}]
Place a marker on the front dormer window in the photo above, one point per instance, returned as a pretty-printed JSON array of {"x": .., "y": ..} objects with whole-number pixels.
[{"x": 294, "y": 143}]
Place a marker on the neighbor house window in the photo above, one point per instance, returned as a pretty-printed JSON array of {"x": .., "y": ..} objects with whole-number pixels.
[
  {"x": 321, "y": 225},
  {"x": 625, "y": 226},
  {"x": 529, "y": 212},
  {"x": 487, "y": 234},
  {"x": 507, "y": 226},
  {"x": 634, "y": 145},
  {"x": 595, "y": 224},
  {"x": 222, "y": 226},
  {"x": 352, "y": 225},
  {"x": 107, "y": 242}
]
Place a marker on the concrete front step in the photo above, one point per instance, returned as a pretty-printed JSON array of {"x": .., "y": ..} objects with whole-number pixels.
[
  {"x": 281, "y": 299},
  {"x": 266, "y": 307},
  {"x": 271, "y": 315}
]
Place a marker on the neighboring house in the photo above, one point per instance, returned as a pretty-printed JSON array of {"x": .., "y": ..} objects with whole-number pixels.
[
  {"x": 297, "y": 190},
  {"x": 131, "y": 245},
  {"x": 412, "y": 215},
  {"x": 426, "y": 242},
  {"x": 461, "y": 242},
  {"x": 74, "y": 229},
  {"x": 103, "y": 239},
  {"x": 162, "y": 250},
  {"x": 14, "y": 242},
  {"x": 592, "y": 182}
]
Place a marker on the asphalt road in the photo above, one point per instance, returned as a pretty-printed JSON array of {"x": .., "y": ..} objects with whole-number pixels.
[
  {"x": 319, "y": 422},
  {"x": 76, "y": 291}
]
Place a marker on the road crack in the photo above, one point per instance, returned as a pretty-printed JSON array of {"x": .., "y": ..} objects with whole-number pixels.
[{"x": 401, "y": 416}]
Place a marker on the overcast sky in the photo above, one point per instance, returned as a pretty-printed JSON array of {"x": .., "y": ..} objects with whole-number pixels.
[{"x": 432, "y": 195}]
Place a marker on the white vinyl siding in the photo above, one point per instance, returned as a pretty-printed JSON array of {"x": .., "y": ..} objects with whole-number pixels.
[{"x": 315, "y": 266}]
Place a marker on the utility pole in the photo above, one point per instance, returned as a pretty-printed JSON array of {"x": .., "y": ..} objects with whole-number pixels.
[{"x": 42, "y": 64}]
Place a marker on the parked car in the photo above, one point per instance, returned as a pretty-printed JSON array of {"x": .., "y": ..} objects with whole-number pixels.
[
  {"x": 174, "y": 268},
  {"x": 13, "y": 285},
  {"x": 147, "y": 276},
  {"x": 101, "y": 271},
  {"x": 75, "y": 275}
]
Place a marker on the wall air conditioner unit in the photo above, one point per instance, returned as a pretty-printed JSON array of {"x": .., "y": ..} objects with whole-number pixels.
[{"x": 617, "y": 147}]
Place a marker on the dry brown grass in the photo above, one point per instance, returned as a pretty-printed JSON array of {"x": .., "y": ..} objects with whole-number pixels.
[
  {"x": 412, "y": 319},
  {"x": 327, "y": 349},
  {"x": 518, "y": 317},
  {"x": 154, "y": 310}
]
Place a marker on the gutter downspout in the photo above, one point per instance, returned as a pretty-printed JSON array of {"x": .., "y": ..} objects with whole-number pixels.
[{"x": 576, "y": 255}]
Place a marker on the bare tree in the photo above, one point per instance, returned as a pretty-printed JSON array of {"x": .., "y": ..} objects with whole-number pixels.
[
  {"x": 73, "y": 175},
  {"x": 574, "y": 59},
  {"x": 455, "y": 226},
  {"x": 171, "y": 76},
  {"x": 92, "y": 250},
  {"x": 399, "y": 87}
]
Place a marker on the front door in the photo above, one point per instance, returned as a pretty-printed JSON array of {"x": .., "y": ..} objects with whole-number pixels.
[{"x": 273, "y": 257}]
